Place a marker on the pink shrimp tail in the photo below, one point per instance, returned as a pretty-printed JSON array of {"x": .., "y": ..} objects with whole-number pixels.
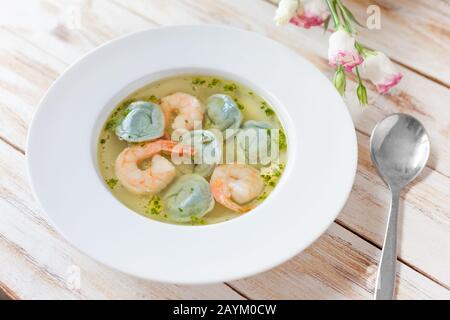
[{"x": 222, "y": 195}]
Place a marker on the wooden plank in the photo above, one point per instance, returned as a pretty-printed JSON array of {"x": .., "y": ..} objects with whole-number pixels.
[
  {"x": 339, "y": 265},
  {"x": 25, "y": 74},
  {"x": 69, "y": 30},
  {"x": 414, "y": 33},
  {"x": 227, "y": 12},
  {"x": 38, "y": 264}
]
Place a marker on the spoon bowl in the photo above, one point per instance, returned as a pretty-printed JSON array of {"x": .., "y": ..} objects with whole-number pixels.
[{"x": 399, "y": 147}]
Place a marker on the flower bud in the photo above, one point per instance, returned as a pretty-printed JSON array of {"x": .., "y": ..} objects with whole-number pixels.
[
  {"x": 361, "y": 92},
  {"x": 342, "y": 51},
  {"x": 285, "y": 11},
  {"x": 311, "y": 13},
  {"x": 339, "y": 80},
  {"x": 380, "y": 70}
]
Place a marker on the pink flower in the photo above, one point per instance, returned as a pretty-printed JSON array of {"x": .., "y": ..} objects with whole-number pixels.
[
  {"x": 342, "y": 51},
  {"x": 380, "y": 70},
  {"x": 311, "y": 13}
]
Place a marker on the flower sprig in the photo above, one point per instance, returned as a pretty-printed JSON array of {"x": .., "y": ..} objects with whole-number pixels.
[{"x": 345, "y": 53}]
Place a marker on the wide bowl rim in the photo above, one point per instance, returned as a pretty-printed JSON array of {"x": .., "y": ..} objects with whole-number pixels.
[{"x": 226, "y": 276}]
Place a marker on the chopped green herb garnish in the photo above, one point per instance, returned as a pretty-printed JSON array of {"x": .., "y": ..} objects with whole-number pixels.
[
  {"x": 263, "y": 196},
  {"x": 214, "y": 82},
  {"x": 124, "y": 104},
  {"x": 153, "y": 99},
  {"x": 271, "y": 178},
  {"x": 154, "y": 206},
  {"x": 231, "y": 87},
  {"x": 198, "y": 81},
  {"x": 197, "y": 221},
  {"x": 118, "y": 115},
  {"x": 110, "y": 124},
  {"x": 282, "y": 143},
  {"x": 102, "y": 141},
  {"x": 112, "y": 182},
  {"x": 269, "y": 112},
  {"x": 239, "y": 105},
  {"x": 126, "y": 112}
]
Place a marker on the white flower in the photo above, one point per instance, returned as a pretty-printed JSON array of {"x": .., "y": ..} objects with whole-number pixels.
[
  {"x": 380, "y": 70},
  {"x": 311, "y": 13},
  {"x": 285, "y": 11},
  {"x": 342, "y": 51}
]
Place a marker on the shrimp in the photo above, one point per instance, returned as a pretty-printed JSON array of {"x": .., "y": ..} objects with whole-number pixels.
[
  {"x": 233, "y": 185},
  {"x": 155, "y": 178},
  {"x": 186, "y": 108}
]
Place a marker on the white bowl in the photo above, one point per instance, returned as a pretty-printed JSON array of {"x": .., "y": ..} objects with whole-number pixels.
[{"x": 317, "y": 180}]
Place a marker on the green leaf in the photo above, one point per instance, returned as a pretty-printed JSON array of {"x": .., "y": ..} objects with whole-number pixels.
[{"x": 326, "y": 23}]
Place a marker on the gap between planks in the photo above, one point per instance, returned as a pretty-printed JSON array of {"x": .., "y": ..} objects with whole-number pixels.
[
  {"x": 239, "y": 292},
  {"x": 6, "y": 293},
  {"x": 12, "y": 145},
  {"x": 406, "y": 263},
  {"x": 420, "y": 73}
]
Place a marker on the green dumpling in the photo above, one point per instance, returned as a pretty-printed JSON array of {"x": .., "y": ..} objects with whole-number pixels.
[
  {"x": 208, "y": 146},
  {"x": 223, "y": 112},
  {"x": 144, "y": 121},
  {"x": 188, "y": 198},
  {"x": 256, "y": 124}
]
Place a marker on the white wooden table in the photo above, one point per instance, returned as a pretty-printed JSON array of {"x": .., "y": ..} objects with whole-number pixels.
[{"x": 39, "y": 39}]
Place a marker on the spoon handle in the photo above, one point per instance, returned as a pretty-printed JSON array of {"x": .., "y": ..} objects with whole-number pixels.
[{"x": 385, "y": 283}]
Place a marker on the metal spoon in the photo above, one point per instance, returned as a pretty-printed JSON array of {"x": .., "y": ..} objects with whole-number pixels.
[{"x": 399, "y": 147}]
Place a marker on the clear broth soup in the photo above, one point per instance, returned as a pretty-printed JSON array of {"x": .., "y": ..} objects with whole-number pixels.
[{"x": 251, "y": 106}]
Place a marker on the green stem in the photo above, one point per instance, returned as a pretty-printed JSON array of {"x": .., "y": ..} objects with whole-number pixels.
[
  {"x": 363, "y": 51},
  {"x": 359, "y": 76},
  {"x": 361, "y": 91},
  {"x": 344, "y": 13},
  {"x": 346, "y": 19},
  {"x": 331, "y": 6}
]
